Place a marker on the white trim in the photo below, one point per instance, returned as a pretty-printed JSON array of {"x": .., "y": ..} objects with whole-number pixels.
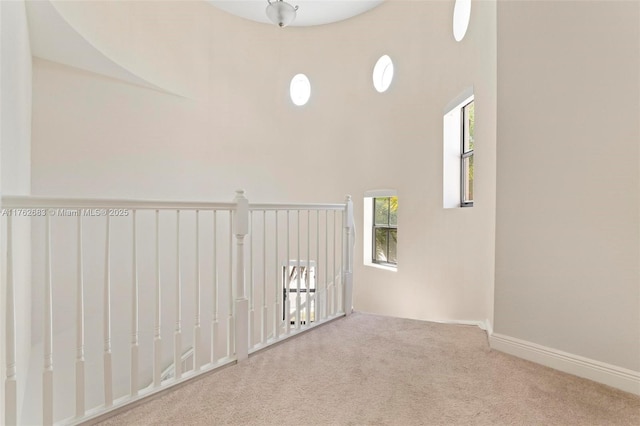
[
  {"x": 463, "y": 98},
  {"x": 380, "y": 266},
  {"x": 377, "y": 193},
  {"x": 488, "y": 327},
  {"x": 482, "y": 325},
  {"x": 451, "y": 148},
  {"x": 611, "y": 375},
  {"x": 478, "y": 324}
]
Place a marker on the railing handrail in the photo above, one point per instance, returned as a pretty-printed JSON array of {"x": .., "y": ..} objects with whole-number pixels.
[
  {"x": 296, "y": 206},
  {"x": 27, "y": 201}
]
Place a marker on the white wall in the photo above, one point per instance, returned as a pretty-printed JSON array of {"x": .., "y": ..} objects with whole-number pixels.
[
  {"x": 445, "y": 264},
  {"x": 567, "y": 246},
  {"x": 15, "y": 164}
]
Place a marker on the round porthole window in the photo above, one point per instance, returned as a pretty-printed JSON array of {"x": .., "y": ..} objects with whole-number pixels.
[
  {"x": 300, "y": 89},
  {"x": 383, "y": 73},
  {"x": 461, "y": 17}
]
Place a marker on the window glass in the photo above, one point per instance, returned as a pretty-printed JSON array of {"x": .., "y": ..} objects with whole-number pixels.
[
  {"x": 468, "y": 124},
  {"x": 381, "y": 211},
  {"x": 393, "y": 211},
  {"x": 381, "y": 245},
  {"x": 468, "y": 179},
  {"x": 393, "y": 245},
  {"x": 385, "y": 230}
]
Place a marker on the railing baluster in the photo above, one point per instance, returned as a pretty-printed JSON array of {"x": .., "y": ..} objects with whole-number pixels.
[
  {"x": 214, "y": 314},
  {"x": 251, "y": 305},
  {"x": 335, "y": 284},
  {"x": 157, "y": 338},
  {"x": 316, "y": 277},
  {"x": 108, "y": 384},
  {"x": 230, "y": 323},
  {"x": 343, "y": 259},
  {"x": 308, "y": 269},
  {"x": 177, "y": 337},
  {"x": 278, "y": 308},
  {"x": 80, "y": 399},
  {"x": 298, "y": 273},
  {"x": 134, "y": 314},
  {"x": 196, "y": 330},
  {"x": 265, "y": 311},
  {"x": 325, "y": 292},
  {"x": 340, "y": 287},
  {"x": 287, "y": 303},
  {"x": 10, "y": 383},
  {"x": 47, "y": 374}
]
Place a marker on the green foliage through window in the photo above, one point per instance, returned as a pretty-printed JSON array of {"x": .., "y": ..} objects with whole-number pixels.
[
  {"x": 385, "y": 230},
  {"x": 468, "y": 130}
]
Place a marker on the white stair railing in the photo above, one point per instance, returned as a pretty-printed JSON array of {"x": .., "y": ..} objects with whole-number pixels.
[{"x": 116, "y": 321}]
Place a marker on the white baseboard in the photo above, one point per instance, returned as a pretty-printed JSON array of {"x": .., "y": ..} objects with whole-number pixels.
[
  {"x": 488, "y": 327},
  {"x": 479, "y": 324},
  {"x": 482, "y": 325},
  {"x": 617, "y": 377}
]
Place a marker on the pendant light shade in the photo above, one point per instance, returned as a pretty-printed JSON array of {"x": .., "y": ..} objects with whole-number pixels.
[{"x": 280, "y": 12}]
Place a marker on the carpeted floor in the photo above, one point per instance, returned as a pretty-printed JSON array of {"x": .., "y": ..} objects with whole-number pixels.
[{"x": 374, "y": 370}]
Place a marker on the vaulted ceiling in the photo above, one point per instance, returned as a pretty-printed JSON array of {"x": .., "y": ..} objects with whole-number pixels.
[{"x": 55, "y": 38}]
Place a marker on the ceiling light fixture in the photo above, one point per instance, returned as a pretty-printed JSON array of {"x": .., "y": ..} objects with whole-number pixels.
[{"x": 280, "y": 12}]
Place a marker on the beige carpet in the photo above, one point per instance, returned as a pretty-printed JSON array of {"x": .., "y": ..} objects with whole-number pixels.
[{"x": 373, "y": 370}]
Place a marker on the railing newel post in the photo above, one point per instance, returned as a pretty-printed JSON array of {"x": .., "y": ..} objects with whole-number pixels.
[
  {"x": 241, "y": 229},
  {"x": 348, "y": 261}
]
